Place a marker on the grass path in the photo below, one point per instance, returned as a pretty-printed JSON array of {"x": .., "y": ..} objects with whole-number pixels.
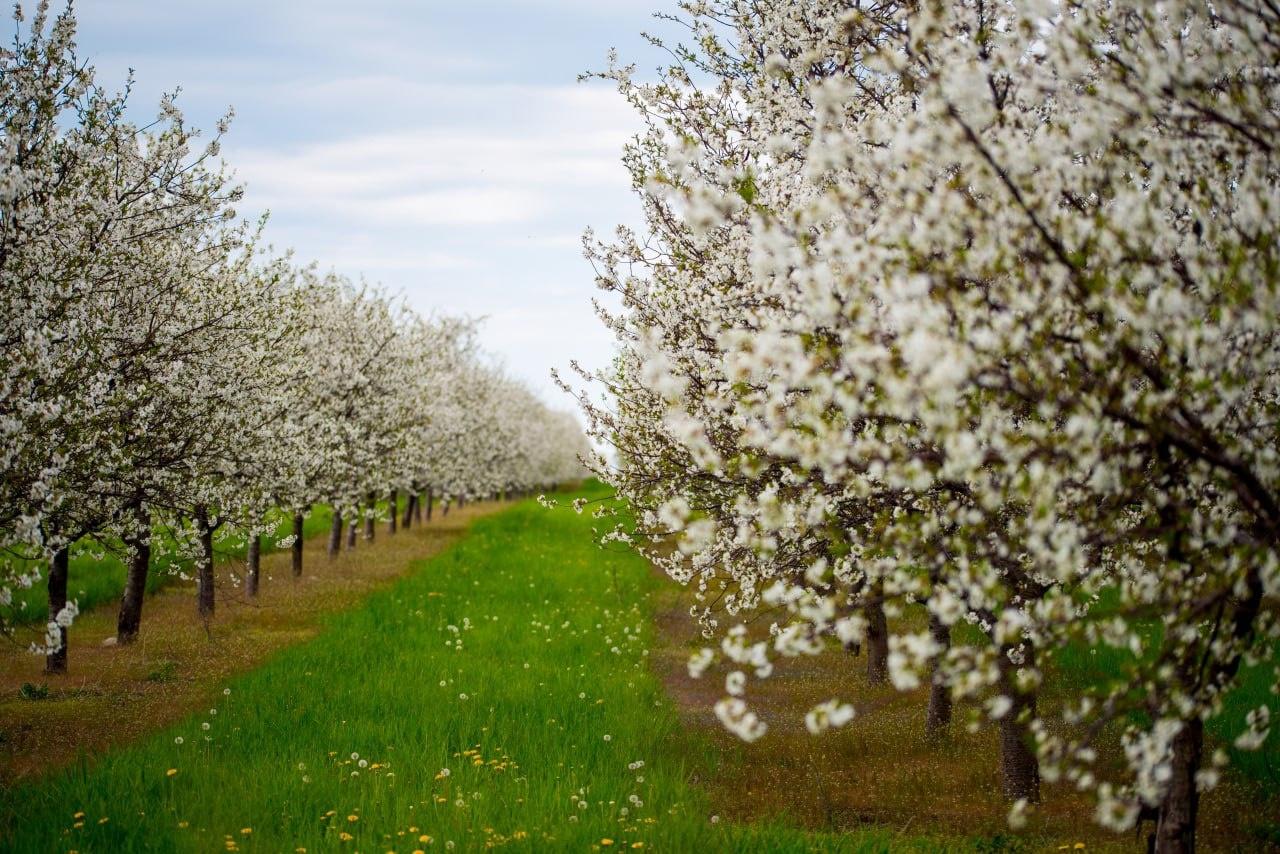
[
  {"x": 508, "y": 660},
  {"x": 116, "y": 695}
]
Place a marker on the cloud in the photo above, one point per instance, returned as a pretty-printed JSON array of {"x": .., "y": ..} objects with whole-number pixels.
[
  {"x": 441, "y": 149},
  {"x": 453, "y": 173}
]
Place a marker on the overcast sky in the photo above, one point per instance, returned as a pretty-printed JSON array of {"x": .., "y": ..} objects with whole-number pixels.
[{"x": 443, "y": 149}]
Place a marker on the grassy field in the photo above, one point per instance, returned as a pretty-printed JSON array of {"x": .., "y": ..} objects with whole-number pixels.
[
  {"x": 96, "y": 573},
  {"x": 500, "y": 695},
  {"x": 520, "y": 689}
]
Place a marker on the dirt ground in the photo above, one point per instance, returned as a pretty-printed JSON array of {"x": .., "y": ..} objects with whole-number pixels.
[{"x": 880, "y": 770}]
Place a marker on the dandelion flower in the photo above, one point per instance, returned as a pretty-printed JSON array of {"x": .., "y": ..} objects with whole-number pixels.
[{"x": 171, "y": 772}]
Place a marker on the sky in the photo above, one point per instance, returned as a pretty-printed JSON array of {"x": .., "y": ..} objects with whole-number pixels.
[{"x": 443, "y": 149}]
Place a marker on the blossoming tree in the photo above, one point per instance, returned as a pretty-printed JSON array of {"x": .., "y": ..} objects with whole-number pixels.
[{"x": 969, "y": 308}]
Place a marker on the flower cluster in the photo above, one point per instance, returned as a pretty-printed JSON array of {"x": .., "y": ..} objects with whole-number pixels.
[
  {"x": 163, "y": 367},
  {"x": 964, "y": 314}
]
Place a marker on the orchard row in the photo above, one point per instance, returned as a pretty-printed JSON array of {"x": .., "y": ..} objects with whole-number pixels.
[
  {"x": 953, "y": 336},
  {"x": 165, "y": 370}
]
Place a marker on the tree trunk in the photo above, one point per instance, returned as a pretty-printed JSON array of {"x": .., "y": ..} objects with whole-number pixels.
[
  {"x": 938, "y": 717},
  {"x": 1176, "y": 824},
  {"x": 392, "y": 509},
  {"x": 430, "y": 500},
  {"x": 407, "y": 519},
  {"x": 444, "y": 508},
  {"x": 56, "y": 661},
  {"x": 1019, "y": 768},
  {"x": 297, "y": 544},
  {"x": 335, "y": 534},
  {"x": 135, "y": 584},
  {"x": 351, "y": 531},
  {"x": 877, "y": 639},
  {"x": 253, "y": 565},
  {"x": 368, "y": 517},
  {"x": 417, "y": 508},
  {"x": 204, "y": 565}
]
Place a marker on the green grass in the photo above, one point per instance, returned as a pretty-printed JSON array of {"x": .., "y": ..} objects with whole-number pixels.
[
  {"x": 550, "y": 684},
  {"x": 1076, "y": 666},
  {"x": 96, "y": 572}
]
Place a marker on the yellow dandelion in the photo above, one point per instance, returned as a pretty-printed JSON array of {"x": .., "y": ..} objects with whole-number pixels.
[
  {"x": 413, "y": 829},
  {"x": 245, "y": 831},
  {"x": 103, "y": 820},
  {"x": 78, "y": 815},
  {"x": 353, "y": 818},
  {"x": 424, "y": 839},
  {"x": 345, "y": 837},
  {"x": 171, "y": 772},
  {"x": 419, "y": 851},
  {"x": 637, "y": 844},
  {"x": 606, "y": 842},
  {"x": 78, "y": 824}
]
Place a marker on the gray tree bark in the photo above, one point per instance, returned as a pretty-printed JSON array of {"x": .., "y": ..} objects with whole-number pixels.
[
  {"x": 335, "y": 535},
  {"x": 59, "y": 567},
  {"x": 253, "y": 565},
  {"x": 129, "y": 619},
  {"x": 877, "y": 639},
  {"x": 298, "y": 522},
  {"x": 204, "y": 565},
  {"x": 938, "y": 716}
]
